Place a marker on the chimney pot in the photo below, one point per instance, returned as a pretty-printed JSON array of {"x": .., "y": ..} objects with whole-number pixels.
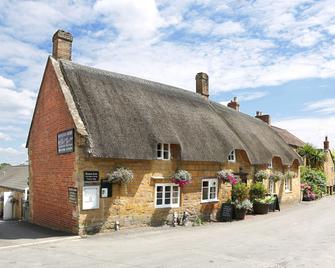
[
  {"x": 264, "y": 117},
  {"x": 326, "y": 144},
  {"x": 234, "y": 104},
  {"x": 62, "y": 45},
  {"x": 202, "y": 84}
]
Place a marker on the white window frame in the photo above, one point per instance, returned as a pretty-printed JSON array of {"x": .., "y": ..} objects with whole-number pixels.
[
  {"x": 270, "y": 166},
  {"x": 288, "y": 185},
  {"x": 272, "y": 187},
  {"x": 210, "y": 183},
  {"x": 163, "y": 205},
  {"x": 162, "y": 151},
  {"x": 232, "y": 157}
]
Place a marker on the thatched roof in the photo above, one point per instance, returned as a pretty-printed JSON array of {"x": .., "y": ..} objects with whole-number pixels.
[
  {"x": 14, "y": 177},
  {"x": 125, "y": 117},
  {"x": 289, "y": 137}
]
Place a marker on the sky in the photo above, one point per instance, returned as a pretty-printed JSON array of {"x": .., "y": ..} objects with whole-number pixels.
[{"x": 277, "y": 57}]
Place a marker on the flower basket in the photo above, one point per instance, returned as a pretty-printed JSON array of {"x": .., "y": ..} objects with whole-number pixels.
[
  {"x": 120, "y": 175},
  {"x": 181, "y": 177},
  {"x": 262, "y": 175},
  {"x": 227, "y": 176},
  {"x": 241, "y": 208},
  {"x": 276, "y": 176}
]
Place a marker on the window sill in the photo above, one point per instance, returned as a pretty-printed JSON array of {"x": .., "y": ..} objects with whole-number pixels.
[
  {"x": 209, "y": 201},
  {"x": 167, "y": 206},
  {"x": 288, "y": 192}
]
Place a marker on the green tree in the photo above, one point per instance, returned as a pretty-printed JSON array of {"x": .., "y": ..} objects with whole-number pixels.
[
  {"x": 2, "y": 165},
  {"x": 315, "y": 158}
]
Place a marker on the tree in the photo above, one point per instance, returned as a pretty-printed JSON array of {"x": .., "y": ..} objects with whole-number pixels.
[
  {"x": 315, "y": 158},
  {"x": 2, "y": 165}
]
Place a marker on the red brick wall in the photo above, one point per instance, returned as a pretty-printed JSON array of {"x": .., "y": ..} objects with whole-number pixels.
[{"x": 51, "y": 174}]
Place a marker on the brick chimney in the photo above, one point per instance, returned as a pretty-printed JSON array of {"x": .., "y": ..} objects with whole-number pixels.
[
  {"x": 234, "y": 104},
  {"x": 264, "y": 117},
  {"x": 201, "y": 84},
  {"x": 326, "y": 144},
  {"x": 62, "y": 45}
]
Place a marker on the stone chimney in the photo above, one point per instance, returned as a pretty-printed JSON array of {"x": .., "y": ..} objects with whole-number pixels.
[
  {"x": 264, "y": 117},
  {"x": 234, "y": 104},
  {"x": 62, "y": 45},
  {"x": 326, "y": 144},
  {"x": 201, "y": 84}
]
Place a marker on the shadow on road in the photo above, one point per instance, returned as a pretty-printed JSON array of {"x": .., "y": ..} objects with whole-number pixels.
[{"x": 23, "y": 230}]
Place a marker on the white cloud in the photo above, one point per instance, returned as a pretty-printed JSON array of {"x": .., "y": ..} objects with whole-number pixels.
[
  {"x": 4, "y": 137},
  {"x": 322, "y": 106},
  {"x": 228, "y": 28},
  {"x": 310, "y": 129},
  {"x": 133, "y": 19},
  {"x": 12, "y": 155},
  {"x": 249, "y": 96}
]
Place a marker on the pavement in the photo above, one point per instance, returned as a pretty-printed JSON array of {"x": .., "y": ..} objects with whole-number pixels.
[{"x": 299, "y": 236}]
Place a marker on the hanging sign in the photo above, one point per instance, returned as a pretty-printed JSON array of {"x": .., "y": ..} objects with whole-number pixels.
[{"x": 65, "y": 142}]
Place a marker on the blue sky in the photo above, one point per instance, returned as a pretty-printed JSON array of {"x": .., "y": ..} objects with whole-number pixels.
[{"x": 277, "y": 57}]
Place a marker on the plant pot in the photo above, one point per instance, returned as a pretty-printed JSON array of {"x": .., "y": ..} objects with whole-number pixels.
[
  {"x": 260, "y": 208},
  {"x": 239, "y": 214}
]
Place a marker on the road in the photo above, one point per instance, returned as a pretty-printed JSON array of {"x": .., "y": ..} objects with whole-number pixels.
[{"x": 299, "y": 236}]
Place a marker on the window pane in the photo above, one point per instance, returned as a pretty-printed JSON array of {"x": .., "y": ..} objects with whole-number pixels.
[
  {"x": 159, "y": 201},
  {"x": 167, "y": 188},
  {"x": 159, "y": 154},
  {"x": 166, "y": 147},
  {"x": 166, "y": 155},
  {"x": 204, "y": 193},
  {"x": 175, "y": 194},
  {"x": 159, "y": 195},
  {"x": 167, "y": 201},
  {"x": 167, "y": 194},
  {"x": 159, "y": 188},
  {"x": 159, "y": 146},
  {"x": 205, "y": 184},
  {"x": 174, "y": 200},
  {"x": 212, "y": 193},
  {"x": 175, "y": 188}
]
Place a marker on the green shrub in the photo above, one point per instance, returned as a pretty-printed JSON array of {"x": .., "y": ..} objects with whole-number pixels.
[
  {"x": 257, "y": 190},
  {"x": 240, "y": 192},
  {"x": 316, "y": 179}
]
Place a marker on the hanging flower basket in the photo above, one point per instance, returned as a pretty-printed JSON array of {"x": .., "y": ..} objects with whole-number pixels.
[
  {"x": 262, "y": 175},
  {"x": 120, "y": 175},
  {"x": 276, "y": 176},
  {"x": 181, "y": 177},
  {"x": 227, "y": 176},
  {"x": 289, "y": 175}
]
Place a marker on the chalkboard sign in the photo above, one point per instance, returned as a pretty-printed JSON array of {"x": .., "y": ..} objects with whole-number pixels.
[
  {"x": 91, "y": 177},
  {"x": 106, "y": 189},
  {"x": 65, "y": 142},
  {"x": 226, "y": 212},
  {"x": 73, "y": 195}
]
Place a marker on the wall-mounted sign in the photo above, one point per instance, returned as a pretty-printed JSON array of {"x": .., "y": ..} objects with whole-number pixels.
[
  {"x": 106, "y": 188},
  {"x": 91, "y": 197},
  {"x": 65, "y": 142},
  {"x": 91, "y": 177},
  {"x": 73, "y": 195}
]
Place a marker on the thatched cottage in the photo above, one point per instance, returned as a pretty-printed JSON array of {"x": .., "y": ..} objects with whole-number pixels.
[{"x": 88, "y": 121}]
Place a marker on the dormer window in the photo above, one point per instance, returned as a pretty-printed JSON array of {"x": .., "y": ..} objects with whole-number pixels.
[
  {"x": 232, "y": 157},
  {"x": 163, "y": 151}
]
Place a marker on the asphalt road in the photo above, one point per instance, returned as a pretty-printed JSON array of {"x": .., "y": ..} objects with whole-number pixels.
[{"x": 300, "y": 236}]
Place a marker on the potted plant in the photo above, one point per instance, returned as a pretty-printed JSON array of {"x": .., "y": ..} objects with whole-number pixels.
[
  {"x": 240, "y": 194},
  {"x": 276, "y": 176},
  {"x": 121, "y": 175},
  {"x": 261, "y": 205},
  {"x": 257, "y": 194},
  {"x": 261, "y": 175},
  {"x": 241, "y": 208},
  {"x": 227, "y": 176},
  {"x": 181, "y": 177}
]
